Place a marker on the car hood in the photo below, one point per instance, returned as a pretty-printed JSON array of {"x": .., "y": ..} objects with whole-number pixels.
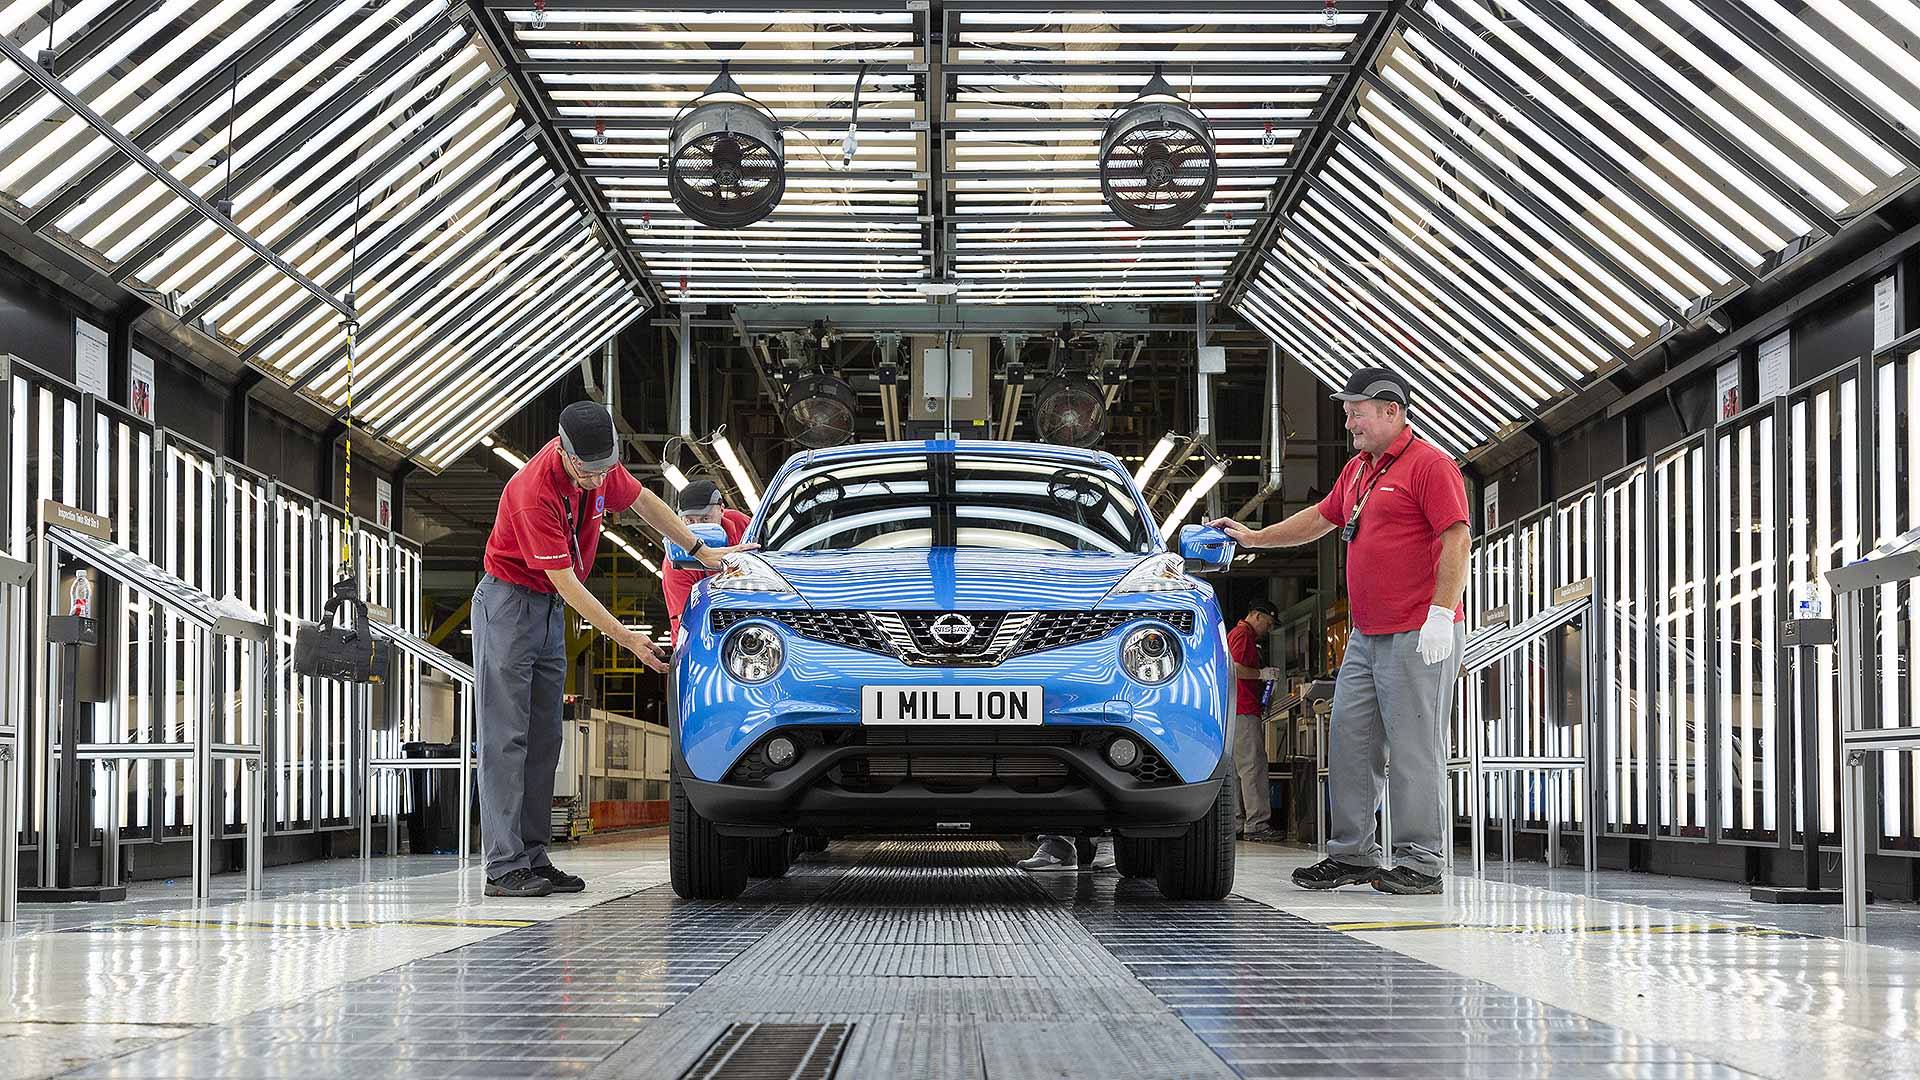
[{"x": 949, "y": 579}]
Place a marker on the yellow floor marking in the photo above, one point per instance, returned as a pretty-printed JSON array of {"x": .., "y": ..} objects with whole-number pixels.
[{"x": 337, "y": 924}]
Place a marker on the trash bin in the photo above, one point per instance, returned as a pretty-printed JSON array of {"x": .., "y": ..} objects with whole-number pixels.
[{"x": 433, "y": 825}]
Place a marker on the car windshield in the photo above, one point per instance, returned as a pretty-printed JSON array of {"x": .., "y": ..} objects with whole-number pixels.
[{"x": 916, "y": 499}]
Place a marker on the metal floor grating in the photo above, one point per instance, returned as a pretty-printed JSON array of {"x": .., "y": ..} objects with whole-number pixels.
[{"x": 939, "y": 960}]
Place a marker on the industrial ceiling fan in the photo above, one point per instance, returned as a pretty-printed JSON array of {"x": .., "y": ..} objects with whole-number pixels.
[
  {"x": 726, "y": 157},
  {"x": 1157, "y": 162}
]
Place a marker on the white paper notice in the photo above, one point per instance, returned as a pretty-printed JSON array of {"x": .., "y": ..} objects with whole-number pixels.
[
  {"x": 90, "y": 358},
  {"x": 140, "y": 384},
  {"x": 1490, "y": 507},
  {"x": 385, "y": 504},
  {"x": 1775, "y": 368},
  {"x": 1883, "y": 324},
  {"x": 1726, "y": 388}
]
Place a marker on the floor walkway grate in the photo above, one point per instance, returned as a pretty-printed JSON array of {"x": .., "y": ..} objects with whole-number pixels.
[{"x": 773, "y": 1052}]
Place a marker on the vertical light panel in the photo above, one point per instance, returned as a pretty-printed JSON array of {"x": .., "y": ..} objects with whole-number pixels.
[
  {"x": 1469, "y": 692},
  {"x": 334, "y": 749},
  {"x": 1575, "y": 517},
  {"x": 1624, "y": 684},
  {"x": 1679, "y": 641},
  {"x": 1495, "y": 734},
  {"x": 1746, "y": 619},
  {"x": 1896, "y": 632},
  {"x": 1533, "y": 732},
  {"x": 292, "y": 746}
]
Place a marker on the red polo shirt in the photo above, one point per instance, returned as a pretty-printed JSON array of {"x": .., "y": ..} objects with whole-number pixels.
[
  {"x": 1243, "y": 649},
  {"x": 531, "y": 533},
  {"x": 678, "y": 584},
  {"x": 1393, "y": 564}
]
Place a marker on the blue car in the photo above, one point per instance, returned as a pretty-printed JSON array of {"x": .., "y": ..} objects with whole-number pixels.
[{"x": 954, "y": 637}]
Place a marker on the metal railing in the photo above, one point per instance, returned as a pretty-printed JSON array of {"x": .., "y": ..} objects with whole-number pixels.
[
  {"x": 1894, "y": 562},
  {"x": 398, "y": 768},
  {"x": 210, "y": 624},
  {"x": 16, "y": 578}
]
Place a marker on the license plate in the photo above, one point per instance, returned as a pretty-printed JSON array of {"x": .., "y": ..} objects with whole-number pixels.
[{"x": 981, "y": 705}]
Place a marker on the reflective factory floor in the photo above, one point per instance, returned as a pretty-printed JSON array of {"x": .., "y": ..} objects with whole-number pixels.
[{"x": 939, "y": 959}]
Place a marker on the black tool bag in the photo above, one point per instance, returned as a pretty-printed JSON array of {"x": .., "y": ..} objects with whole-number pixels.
[{"x": 349, "y": 652}]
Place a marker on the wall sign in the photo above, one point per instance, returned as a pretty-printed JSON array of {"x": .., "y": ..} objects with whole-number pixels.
[
  {"x": 1884, "y": 328},
  {"x": 384, "y": 503},
  {"x": 140, "y": 384},
  {"x": 1726, "y": 388},
  {"x": 1490, "y": 506},
  {"x": 1776, "y": 372},
  {"x": 90, "y": 359}
]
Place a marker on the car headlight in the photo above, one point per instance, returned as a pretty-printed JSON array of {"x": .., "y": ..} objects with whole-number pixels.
[
  {"x": 747, "y": 572},
  {"x": 753, "y": 654},
  {"x": 1165, "y": 572},
  {"x": 1150, "y": 654}
]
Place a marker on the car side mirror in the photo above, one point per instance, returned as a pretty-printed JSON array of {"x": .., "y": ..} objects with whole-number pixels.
[
  {"x": 707, "y": 533},
  {"x": 1205, "y": 549}
]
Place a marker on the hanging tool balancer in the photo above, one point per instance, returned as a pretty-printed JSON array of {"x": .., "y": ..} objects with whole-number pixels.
[{"x": 349, "y": 651}]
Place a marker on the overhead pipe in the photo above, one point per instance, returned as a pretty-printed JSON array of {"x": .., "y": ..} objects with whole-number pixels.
[{"x": 1276, "y": 438}]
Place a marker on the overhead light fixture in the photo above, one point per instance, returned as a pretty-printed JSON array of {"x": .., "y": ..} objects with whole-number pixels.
[
  {"x": 509, "y": 457},
  {"x": 724, "y": 448},
  {"x": 936, "y": 288},
  {"x": 1155, "y": 458},
  {"x": 1193, "y": 495},
  {"x": 674, "y": 477},
  {"x": 820, "y": 410}
]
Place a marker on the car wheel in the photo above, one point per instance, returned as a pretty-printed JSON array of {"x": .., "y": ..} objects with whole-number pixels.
[
  {"x": 769, "y": 856},
  {"x": 1198, "y": 864},
  {"x": 1134, "y": 858},
  {"x": 704, "y": 865}
]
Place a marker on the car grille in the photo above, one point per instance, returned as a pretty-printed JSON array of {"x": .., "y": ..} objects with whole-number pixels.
[
  {"x": 952, "y": 639},
  {"x": 895, "y": 755}
]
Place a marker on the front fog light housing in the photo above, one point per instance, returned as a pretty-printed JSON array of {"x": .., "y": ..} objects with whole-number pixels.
[
  {"x": 781, "y": 751},
  {"x": 1150, "y": 655},
  {"x": 1123, "y": 753},
  {"x": 753, "y": 654}
]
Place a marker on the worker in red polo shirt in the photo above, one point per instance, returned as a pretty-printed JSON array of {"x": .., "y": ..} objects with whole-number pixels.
[
  {"x": 701, "y": 501},
  {"x": 542, "y": 546},
  {"x": 1247, "y": 736},
  {"x": 1401, "y": 506}
]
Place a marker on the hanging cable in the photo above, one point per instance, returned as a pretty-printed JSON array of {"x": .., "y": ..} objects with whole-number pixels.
[
  {"x": 225, "y": 203},
  {"x": 353, "y": 331}
]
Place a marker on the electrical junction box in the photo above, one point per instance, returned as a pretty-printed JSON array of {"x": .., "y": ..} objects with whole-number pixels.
[
  {"x": 959, "y": 385},
  {"x": 1213, "y": 359}
]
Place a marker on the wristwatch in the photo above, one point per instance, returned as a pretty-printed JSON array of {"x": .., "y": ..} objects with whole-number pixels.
[{"x": 697, "y": 545}]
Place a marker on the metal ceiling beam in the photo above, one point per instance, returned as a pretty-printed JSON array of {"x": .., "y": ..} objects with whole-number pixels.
[
  {"x": 1513, "y": 97},
  {"x": 1875, "y": 121},
  {"x": 564, "y": 153},
  {"x": 209, "y": 88},
  {"x": 1523, "y": 196},
  {"x": 1552, "y": 296},
  {"x": 380, "y": 251},
  {"x": 1363, "y": 57},
  {"x": 699, "y": 61},
  {"x": 100, "y": 124},
  {"x": 1665, "y": 98},
  {"x": 311, "y": 220},
  {"x": 98, "y": 34},
  {"x": 298, "y": 137},
  {"x": 1038, "y": 66}
]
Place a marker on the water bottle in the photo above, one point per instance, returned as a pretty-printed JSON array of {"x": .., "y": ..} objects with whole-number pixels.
[{"x": 81, "y": 595}]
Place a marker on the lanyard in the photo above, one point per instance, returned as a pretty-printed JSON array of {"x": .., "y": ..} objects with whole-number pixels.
[
  {"x": 1352, "y": 528},
  {"x": 573, "y": 532}
]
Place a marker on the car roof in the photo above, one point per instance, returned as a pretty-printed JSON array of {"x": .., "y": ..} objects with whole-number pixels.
[{"x": 1048, "y": 451}]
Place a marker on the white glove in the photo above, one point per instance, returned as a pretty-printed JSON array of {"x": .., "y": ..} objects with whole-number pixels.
[
  {"x": 1436, "y": 637},
  {"x": 1270, "y": 674}
]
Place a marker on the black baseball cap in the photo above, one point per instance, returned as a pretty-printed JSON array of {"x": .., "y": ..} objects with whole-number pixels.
[
  {"x": 1375, "y": 384},
  {"x": 699, "y": 496},
  {"x": 586, "y": 432},
  {"x": 1264, "y": 607}
]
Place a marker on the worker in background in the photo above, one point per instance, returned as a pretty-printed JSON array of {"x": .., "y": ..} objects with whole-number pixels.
[
  {"x": 1246, "y": 736},
  {"x": 1401, "y": 507},
  {"x": 700, "y": 501},
  {"x": 541, "y": 548}
]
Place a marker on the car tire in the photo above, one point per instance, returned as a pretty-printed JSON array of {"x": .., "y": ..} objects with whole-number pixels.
[
  {"x": 703, "y": 864},
  {"x": 1198, "y": 864},
  {"x": 769, "y": 856},
  {"x": 1133, "y": 857}
]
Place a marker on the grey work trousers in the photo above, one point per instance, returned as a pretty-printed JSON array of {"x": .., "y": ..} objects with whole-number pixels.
[
  {"x": 1248, "y": 743},
  {"x": 1389, "y": 702},
  {"x": 520, "y": 672}
]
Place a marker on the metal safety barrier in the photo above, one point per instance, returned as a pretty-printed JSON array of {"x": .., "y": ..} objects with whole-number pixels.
[
  {"x": 15, "y": 579},
  {"x": 397, "y": 769}
]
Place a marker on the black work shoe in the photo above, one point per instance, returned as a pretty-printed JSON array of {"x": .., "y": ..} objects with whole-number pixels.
[
  {"x": 560, "y": 879},
  {"x": 1332, "y": 873},
  {"x": 1406, "y": 881},
  {"x": 1266, "y": 836},
  {"x": 521, "y": 882}
]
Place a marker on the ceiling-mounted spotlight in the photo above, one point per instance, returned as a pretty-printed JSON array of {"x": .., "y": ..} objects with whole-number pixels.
[
  {"x": 820, "y": 410},
  {"x": 1157, "y": 163},
  {"x": 1070, "y": 410},
  {"x": 726, "y": 157}
]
